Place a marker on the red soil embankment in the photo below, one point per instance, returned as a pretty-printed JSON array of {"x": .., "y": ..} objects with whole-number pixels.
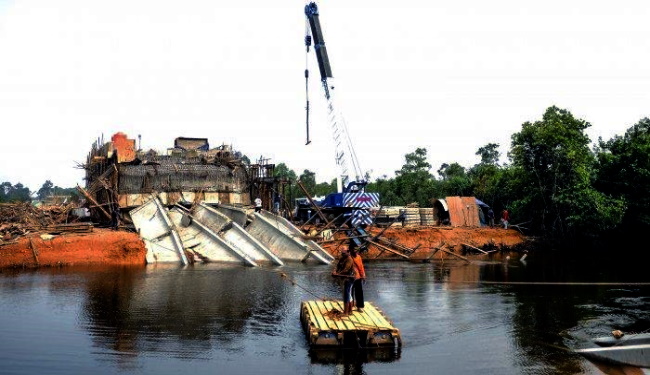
[
  {"x": 426, "y": 239},
  {"x": 102, "y": 246},
  {"x": 108, "y": 247}
]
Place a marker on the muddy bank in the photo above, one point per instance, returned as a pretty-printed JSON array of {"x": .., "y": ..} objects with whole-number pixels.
[
  {"x": 100, "y": 247},
  {"x": 108, "y": 247},
  {"x": 426, "y": 240}
]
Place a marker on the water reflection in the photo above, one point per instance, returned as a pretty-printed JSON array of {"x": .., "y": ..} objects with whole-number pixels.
[
  {"x": 179, "y": 311},
  {"x": 485, "y": 317}
]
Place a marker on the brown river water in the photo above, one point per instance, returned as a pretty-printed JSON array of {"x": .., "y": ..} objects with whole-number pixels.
[{"x": 488, "y": 317}]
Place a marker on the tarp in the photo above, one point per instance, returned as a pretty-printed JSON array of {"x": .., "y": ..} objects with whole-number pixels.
[{"x": 481, "y": 203}]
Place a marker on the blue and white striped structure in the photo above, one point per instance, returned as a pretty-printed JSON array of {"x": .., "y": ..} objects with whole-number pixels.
[{"x": 363, "y": 201}]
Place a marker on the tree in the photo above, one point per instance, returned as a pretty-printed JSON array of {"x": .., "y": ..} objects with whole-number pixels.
[
  {"x": 5, "y": 189},
  {"x": 308, "y": 179},
  {"x": 489, "y": 154},
  {"x": 413, "y": 183},
  {"x": 14, "y": 193},
  {"x": 487, "y": 177},
  {"x": 624, "y": 172},
  {"x": 324, "y": 188},
  {"x": 46, "y": 190},
  {"x": 455, "y": 181},
  {"x": 281, "y": 170},
  {"x": 386, "y": 187},
  {"x": 415, "y": 162},
  {"x": 555, "y": 171}
]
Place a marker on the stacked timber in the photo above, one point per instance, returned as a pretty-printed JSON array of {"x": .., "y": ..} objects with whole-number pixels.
[{"x": 427, "y": 216}]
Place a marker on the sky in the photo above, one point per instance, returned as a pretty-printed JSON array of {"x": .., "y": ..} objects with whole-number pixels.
[{"x": 442, "y": 75}]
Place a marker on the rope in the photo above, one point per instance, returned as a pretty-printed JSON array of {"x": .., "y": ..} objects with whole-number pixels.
[
  {"x": 293, "y": 282},
  {"x": 557, "y": 283}
]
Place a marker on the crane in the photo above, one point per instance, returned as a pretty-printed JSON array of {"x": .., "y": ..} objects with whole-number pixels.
[
  {"x": 351, "y": 175},
  {"x": 351, "y": 182}
]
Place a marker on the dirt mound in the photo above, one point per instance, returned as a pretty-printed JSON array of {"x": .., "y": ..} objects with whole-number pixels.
[{"x": 102, "y": 246}]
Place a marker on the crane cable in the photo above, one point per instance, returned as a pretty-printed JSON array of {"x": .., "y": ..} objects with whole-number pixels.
[{"x": 307, "y": 45}]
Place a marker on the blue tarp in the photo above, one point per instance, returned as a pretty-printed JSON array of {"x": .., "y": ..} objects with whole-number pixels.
[{"x": 480, "y": 203}]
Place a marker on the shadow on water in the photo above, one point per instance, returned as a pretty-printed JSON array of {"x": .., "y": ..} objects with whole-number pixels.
[{"x": 354, "y": 357}]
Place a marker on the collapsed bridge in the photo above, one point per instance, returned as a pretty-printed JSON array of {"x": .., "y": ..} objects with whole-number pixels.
[{"x": 192, "y": 203}]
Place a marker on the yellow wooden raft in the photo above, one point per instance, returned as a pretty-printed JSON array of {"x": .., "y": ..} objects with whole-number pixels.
[{"x": 324, "y": 325}]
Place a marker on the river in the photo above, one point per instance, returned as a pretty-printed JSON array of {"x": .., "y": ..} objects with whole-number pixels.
[{"x": 488, "y": 317}]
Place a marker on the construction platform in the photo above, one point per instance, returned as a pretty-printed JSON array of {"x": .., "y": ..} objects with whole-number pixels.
[{"x": 325, "y": 326}]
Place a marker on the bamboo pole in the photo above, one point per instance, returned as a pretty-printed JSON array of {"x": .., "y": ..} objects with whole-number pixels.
[
  {"x": 435, "y": 251},
  {"x": 476, "y": 248},
  {"x": 311, "y": 201},
  {"x": 34, "y": 251},
  {"x": 456, "y": 255},
  {"x": 388, "y": 249},
  {"x": 82, "y": 191}
]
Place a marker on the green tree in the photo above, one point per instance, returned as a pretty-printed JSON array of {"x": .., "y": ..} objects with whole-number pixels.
[
  {"x": 308, "y": 179},
  {"x": 455, "y": 181},
  {"x": 288, "y": 178},
  {"x": 386, "y": 187},
  {"x": 324, "y": 188},
  {"x": 489, "y": 154},
  {"x": 5, "y": 188},
  {"x": 624, "y": 172},
  {"x": 46, "y": 190},
  {"x": 282, "y": 171},
  {"x": 487, "y": 177},
  {"x": 555, "y": 171},
  {"x": 413, "y": 183},
  {"x": 14, "y": 193}
]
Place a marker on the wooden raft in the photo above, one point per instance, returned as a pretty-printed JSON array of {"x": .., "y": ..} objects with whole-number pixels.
[{"x": 325, "y": 325}]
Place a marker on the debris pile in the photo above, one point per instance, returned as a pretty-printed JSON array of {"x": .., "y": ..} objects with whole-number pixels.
[{"x": 20, "y": 219}]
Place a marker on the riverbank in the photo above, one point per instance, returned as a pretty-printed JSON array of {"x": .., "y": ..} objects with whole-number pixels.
[
  {"x": 438, "y": 242},
  {"x": 108, "y": 247},
  {"x": 99, "y": 247}
]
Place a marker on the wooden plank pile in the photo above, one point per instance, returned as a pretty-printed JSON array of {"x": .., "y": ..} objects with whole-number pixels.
[{"x": 20, "y": 219}]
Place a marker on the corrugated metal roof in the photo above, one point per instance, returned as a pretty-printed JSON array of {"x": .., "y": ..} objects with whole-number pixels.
[{"x": 463, "y": 212}]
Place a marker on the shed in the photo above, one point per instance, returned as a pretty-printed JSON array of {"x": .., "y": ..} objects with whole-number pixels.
[{"x": 462, "y": 211}]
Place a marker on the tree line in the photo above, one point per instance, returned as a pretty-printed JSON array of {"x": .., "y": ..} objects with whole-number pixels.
[
  {"x": 10, "y": 193},
  {"x": 556, "y": 183}
]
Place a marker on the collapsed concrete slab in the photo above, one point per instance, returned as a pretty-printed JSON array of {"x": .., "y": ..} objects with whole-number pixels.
[
  {"x": 234, "y": 233},
  {"x": 236, "y": 214},
  {"x": 161, "y": 239},
  {"x": 285, "y": 240},
  {"x": 210, "y": 234},
  {"x": 205, "y": 243}
]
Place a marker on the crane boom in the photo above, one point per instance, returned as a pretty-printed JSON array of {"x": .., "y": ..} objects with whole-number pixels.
[
  {"x": 345, "y": 155},
  {"x": 351, "y": 203}
]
